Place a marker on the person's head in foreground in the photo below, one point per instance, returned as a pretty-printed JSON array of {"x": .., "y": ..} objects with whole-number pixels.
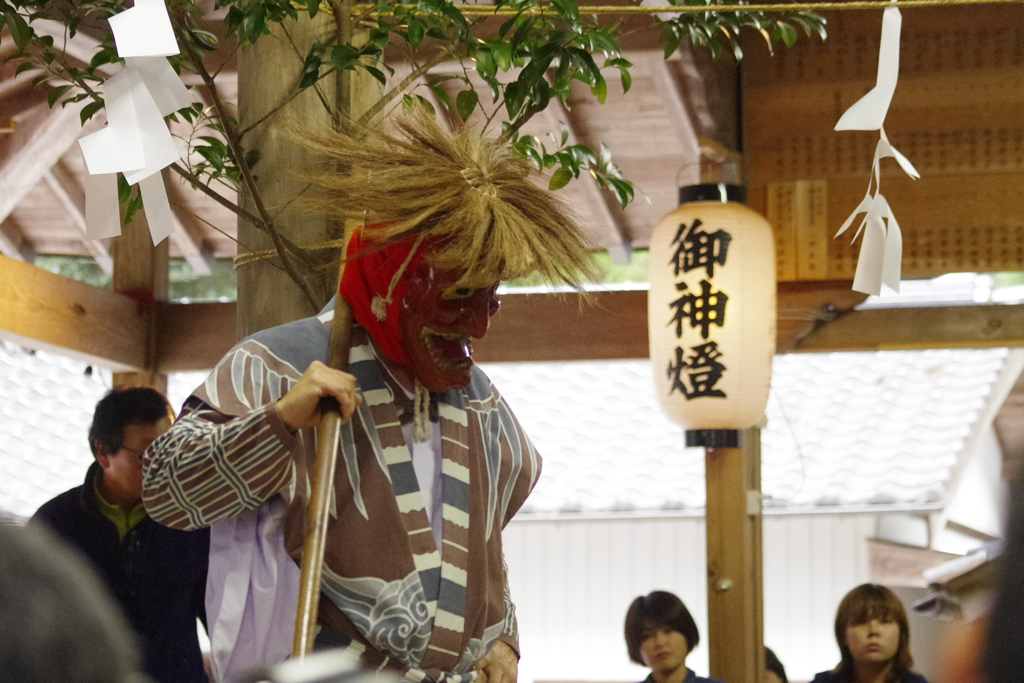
[
  {"x": 660, "y": 633},
  {"x": 56, "y": 621},
  {"x": 774, "y": 672},
  {"x": 873, "y": 636}
]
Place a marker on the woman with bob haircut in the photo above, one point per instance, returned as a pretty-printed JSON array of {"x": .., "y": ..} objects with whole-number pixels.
[
  {"x": 660, "y": 633},
  {"x": 874, "y": 639}
]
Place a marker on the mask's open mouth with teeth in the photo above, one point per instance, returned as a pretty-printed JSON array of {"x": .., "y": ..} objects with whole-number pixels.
[{"x": 448, "y": 350}]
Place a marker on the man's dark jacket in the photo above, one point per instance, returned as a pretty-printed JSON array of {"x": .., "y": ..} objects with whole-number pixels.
[{"x": 156, "y": 574}]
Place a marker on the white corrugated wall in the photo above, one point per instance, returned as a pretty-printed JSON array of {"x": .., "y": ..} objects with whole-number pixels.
[{"x": 572, "y": 582}]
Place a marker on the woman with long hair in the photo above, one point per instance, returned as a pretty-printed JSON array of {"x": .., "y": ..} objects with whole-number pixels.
[{"x": 874, "y": 639}]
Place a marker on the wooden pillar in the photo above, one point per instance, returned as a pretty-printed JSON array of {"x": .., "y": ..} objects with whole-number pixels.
[
  {"x": 735, "y": 604},
  {"x": 268, "y": 76},
  {"x": 140, "y": 272}
]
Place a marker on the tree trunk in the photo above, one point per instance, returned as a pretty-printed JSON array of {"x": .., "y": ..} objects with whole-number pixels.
[{"x": 268, "y": 74}]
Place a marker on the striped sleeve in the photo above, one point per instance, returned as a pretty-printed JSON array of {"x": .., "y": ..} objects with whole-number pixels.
[
  {"x": 210, "y": 466},
  {"x": 510, "y": 627}
]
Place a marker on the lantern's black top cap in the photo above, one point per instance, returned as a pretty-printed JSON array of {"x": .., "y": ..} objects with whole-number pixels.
[{"x": 712, "y": 192}]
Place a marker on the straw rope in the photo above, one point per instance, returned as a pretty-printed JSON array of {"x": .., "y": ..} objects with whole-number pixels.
[
  {"x": 486, "y": 10},
  {"x": 248, "y": 257}
]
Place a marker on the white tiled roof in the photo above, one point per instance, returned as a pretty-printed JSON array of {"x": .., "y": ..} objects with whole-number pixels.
[
  {"x": 46, "y": 405},
  {"x": 842, "y": 429},
  {"x": 871, "y": 428}
]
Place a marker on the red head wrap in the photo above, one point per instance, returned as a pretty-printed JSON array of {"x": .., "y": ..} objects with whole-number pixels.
[{"x": 368, "y": 276}]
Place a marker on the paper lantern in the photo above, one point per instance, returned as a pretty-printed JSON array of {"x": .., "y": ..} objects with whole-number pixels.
[{"x": 711, "y": 310}]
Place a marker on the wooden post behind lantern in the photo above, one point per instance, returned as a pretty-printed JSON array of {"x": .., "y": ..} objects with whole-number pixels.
[{"x": 711, "y": 313}]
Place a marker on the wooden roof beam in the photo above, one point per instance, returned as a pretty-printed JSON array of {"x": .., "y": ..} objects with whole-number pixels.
[
  {"x": 35, "y": 151},
  {"x": 69, "y": 194},
  {"x": 188, "y": 236},
  {"x": 49, "y": 312},
  {"x": 13, "y": 243},
  {"x": 666, "y": 82},
  {"x": 601, "y": 202},
  {"x": 41, "y": 310}
]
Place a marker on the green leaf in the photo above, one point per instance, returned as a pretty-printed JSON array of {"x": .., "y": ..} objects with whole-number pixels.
[
  {"x": 254, "y": 23},
  {"x": 313, "y": 6},
  {"x": 508, "y": 24},
  {"x": 20, "y": 31},
  {"x": 465, "y": 103},
  {"x": 106, "y": 55},
  {"x": 622, "y": 189},
  {"x": 669, "y": 39},
  {"x": 786, "y": 32},
  {"x": 344, "y": 57},
  {"x": 410, "y": 102},
  {"x": 515, "y": 96},
  {"x": 311, "y": 65},
  {"x": 523, "y": 31},
  {"x": 442, "y": 96},
  {"x": 233, "y": 20},
  {"x": 23, "y": 67},
  {"x": 89, "y": 110},
  {"x": 502, "y": 55},
  {"x": 375, "y": 72},
  {"x": 124, "y": 190},
  {"x": 567, "y": 9},
  {"x": 133, "y": 205},
  {"x": 560, "y": 178},
  {"x": 485, "y": 64},
  {"x": 416, "y": 31},
  {"x": 600, "y": 90},
  {"x": 379, "y": 37},
  {"x": 203, "y": 40},
  {"x": 457, "y": 18},
  {"x": 55, "y": 94}
]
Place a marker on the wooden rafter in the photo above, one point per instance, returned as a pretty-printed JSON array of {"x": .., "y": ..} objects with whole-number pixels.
[
  {"x": 69, "y": 194},
  {"x": 188, "y": 233},
  {"x": 41, "y": 310},
  {"x": 666, "y": 81},
  {"x": 528, "y": 327},
  {"x": 13, "y": 243},
  {"x": 35, "y": 153}
]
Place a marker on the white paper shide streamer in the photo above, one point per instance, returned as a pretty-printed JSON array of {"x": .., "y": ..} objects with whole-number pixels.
[
  {"x": 136, "y": 141},
  {"x": 882, "y": 247}
]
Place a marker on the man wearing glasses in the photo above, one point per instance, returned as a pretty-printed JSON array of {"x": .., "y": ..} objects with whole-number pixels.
[{"x": 157, "y": 574}]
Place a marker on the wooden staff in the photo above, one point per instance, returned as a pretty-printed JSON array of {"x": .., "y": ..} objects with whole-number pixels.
[{"x": 318, "y": 510}]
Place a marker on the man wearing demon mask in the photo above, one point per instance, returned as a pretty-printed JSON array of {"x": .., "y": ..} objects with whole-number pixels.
[{"x": 432, "y": 463}]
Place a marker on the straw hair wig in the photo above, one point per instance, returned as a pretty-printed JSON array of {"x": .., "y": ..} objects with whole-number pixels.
[{"x": 466, "y": 197}]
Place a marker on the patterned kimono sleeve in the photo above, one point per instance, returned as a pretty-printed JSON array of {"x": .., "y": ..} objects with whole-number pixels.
[
  {"x": 527, "y": 469},
  {"x": 210, "y": 466},
  {"x": 510, "y": 629}
]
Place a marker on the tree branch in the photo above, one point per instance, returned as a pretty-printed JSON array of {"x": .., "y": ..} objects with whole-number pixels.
[
  {"x": 235, "y": 209},
  {"x": 379, "y": 105},
  {"x": 231, "y": 137}
]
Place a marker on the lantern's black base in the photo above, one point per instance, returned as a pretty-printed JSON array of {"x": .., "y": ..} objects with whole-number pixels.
[{"x": 713, "y": 438}]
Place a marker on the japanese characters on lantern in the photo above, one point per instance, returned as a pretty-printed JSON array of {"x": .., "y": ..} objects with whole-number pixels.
[
  {"x": 711, "y": 312},
  {"x": 696, "y": 249}
]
